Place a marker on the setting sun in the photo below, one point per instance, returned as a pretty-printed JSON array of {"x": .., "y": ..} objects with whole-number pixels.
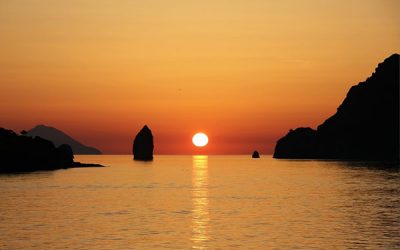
[{"x": 200, "y": 140}]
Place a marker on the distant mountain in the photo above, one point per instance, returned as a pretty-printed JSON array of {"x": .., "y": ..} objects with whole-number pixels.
[
  {"x": 365, "y": 126},
  {"x": 58, "y": 138}
]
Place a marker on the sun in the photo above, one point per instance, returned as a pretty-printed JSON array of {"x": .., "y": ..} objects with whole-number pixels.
[{"x": 200, "y": 140}]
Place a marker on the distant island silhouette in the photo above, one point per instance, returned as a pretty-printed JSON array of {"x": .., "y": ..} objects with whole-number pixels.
[
  {"x": 20, "y": 153},
  {"x": 143, "y": 145},
  {"x": 58, "y": 138},
  {"x": 365, "y": 126}
]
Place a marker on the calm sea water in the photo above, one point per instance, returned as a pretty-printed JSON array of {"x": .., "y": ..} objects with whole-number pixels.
[{"x": 200, "y": 202}]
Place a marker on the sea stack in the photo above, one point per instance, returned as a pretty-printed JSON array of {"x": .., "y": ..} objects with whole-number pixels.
[
  {"x": 365, "y": 126},
  {"x": 255, "y": 154},
  {"x": 143, "y": 145}
]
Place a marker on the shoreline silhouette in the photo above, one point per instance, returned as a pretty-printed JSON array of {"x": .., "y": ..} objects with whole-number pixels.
[
  {"x": 365, "y": 127},
  {"x": 20, "y": 153}
]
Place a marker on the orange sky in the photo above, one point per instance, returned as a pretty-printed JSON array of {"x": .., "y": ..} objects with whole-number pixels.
[{"x": 244, "y": 72}]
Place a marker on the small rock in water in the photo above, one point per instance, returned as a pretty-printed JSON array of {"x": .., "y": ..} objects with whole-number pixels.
[{"x": 255, "y": 154}]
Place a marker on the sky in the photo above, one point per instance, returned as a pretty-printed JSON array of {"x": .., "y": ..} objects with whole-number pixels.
[{"x": 243, "y": 72}]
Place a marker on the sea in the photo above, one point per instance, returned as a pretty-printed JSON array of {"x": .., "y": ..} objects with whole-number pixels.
[{"x": 203, "y": 202}]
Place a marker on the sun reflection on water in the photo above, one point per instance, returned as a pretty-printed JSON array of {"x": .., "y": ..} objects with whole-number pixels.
[{"x": 200, "y": 214}]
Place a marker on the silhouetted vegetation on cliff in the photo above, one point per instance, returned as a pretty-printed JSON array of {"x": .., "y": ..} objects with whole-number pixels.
[{"x": 365, "y": 126}]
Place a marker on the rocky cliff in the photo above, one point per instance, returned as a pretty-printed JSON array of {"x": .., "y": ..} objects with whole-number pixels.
[{"x": 365, "y": 126}]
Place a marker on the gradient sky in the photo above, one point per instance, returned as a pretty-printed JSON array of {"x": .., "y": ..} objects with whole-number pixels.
[{"x": 244, "y": 72}]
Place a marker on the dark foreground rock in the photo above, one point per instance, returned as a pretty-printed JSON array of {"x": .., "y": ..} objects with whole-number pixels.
[
  {"x": 143, "y": 145},
  {"x": 255, "y": 154},
  {"x": 365, "y": 126},
  {"x": 20, "y": 153}
]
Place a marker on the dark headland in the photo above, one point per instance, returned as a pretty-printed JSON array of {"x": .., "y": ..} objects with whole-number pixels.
[
  {"x": 143, "y": 145},
  {"x": 58, "y": 137},
  {"x": 365, "y": 126},
  {"x": 19, "y": 153}
]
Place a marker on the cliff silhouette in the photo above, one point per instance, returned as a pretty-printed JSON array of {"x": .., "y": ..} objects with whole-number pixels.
[
  {"x": 143, "y": 145},
  {"x": 58, "y": 138},
  {"x": 19, "y": 153},
  {"x": 365, "y": 126}
]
